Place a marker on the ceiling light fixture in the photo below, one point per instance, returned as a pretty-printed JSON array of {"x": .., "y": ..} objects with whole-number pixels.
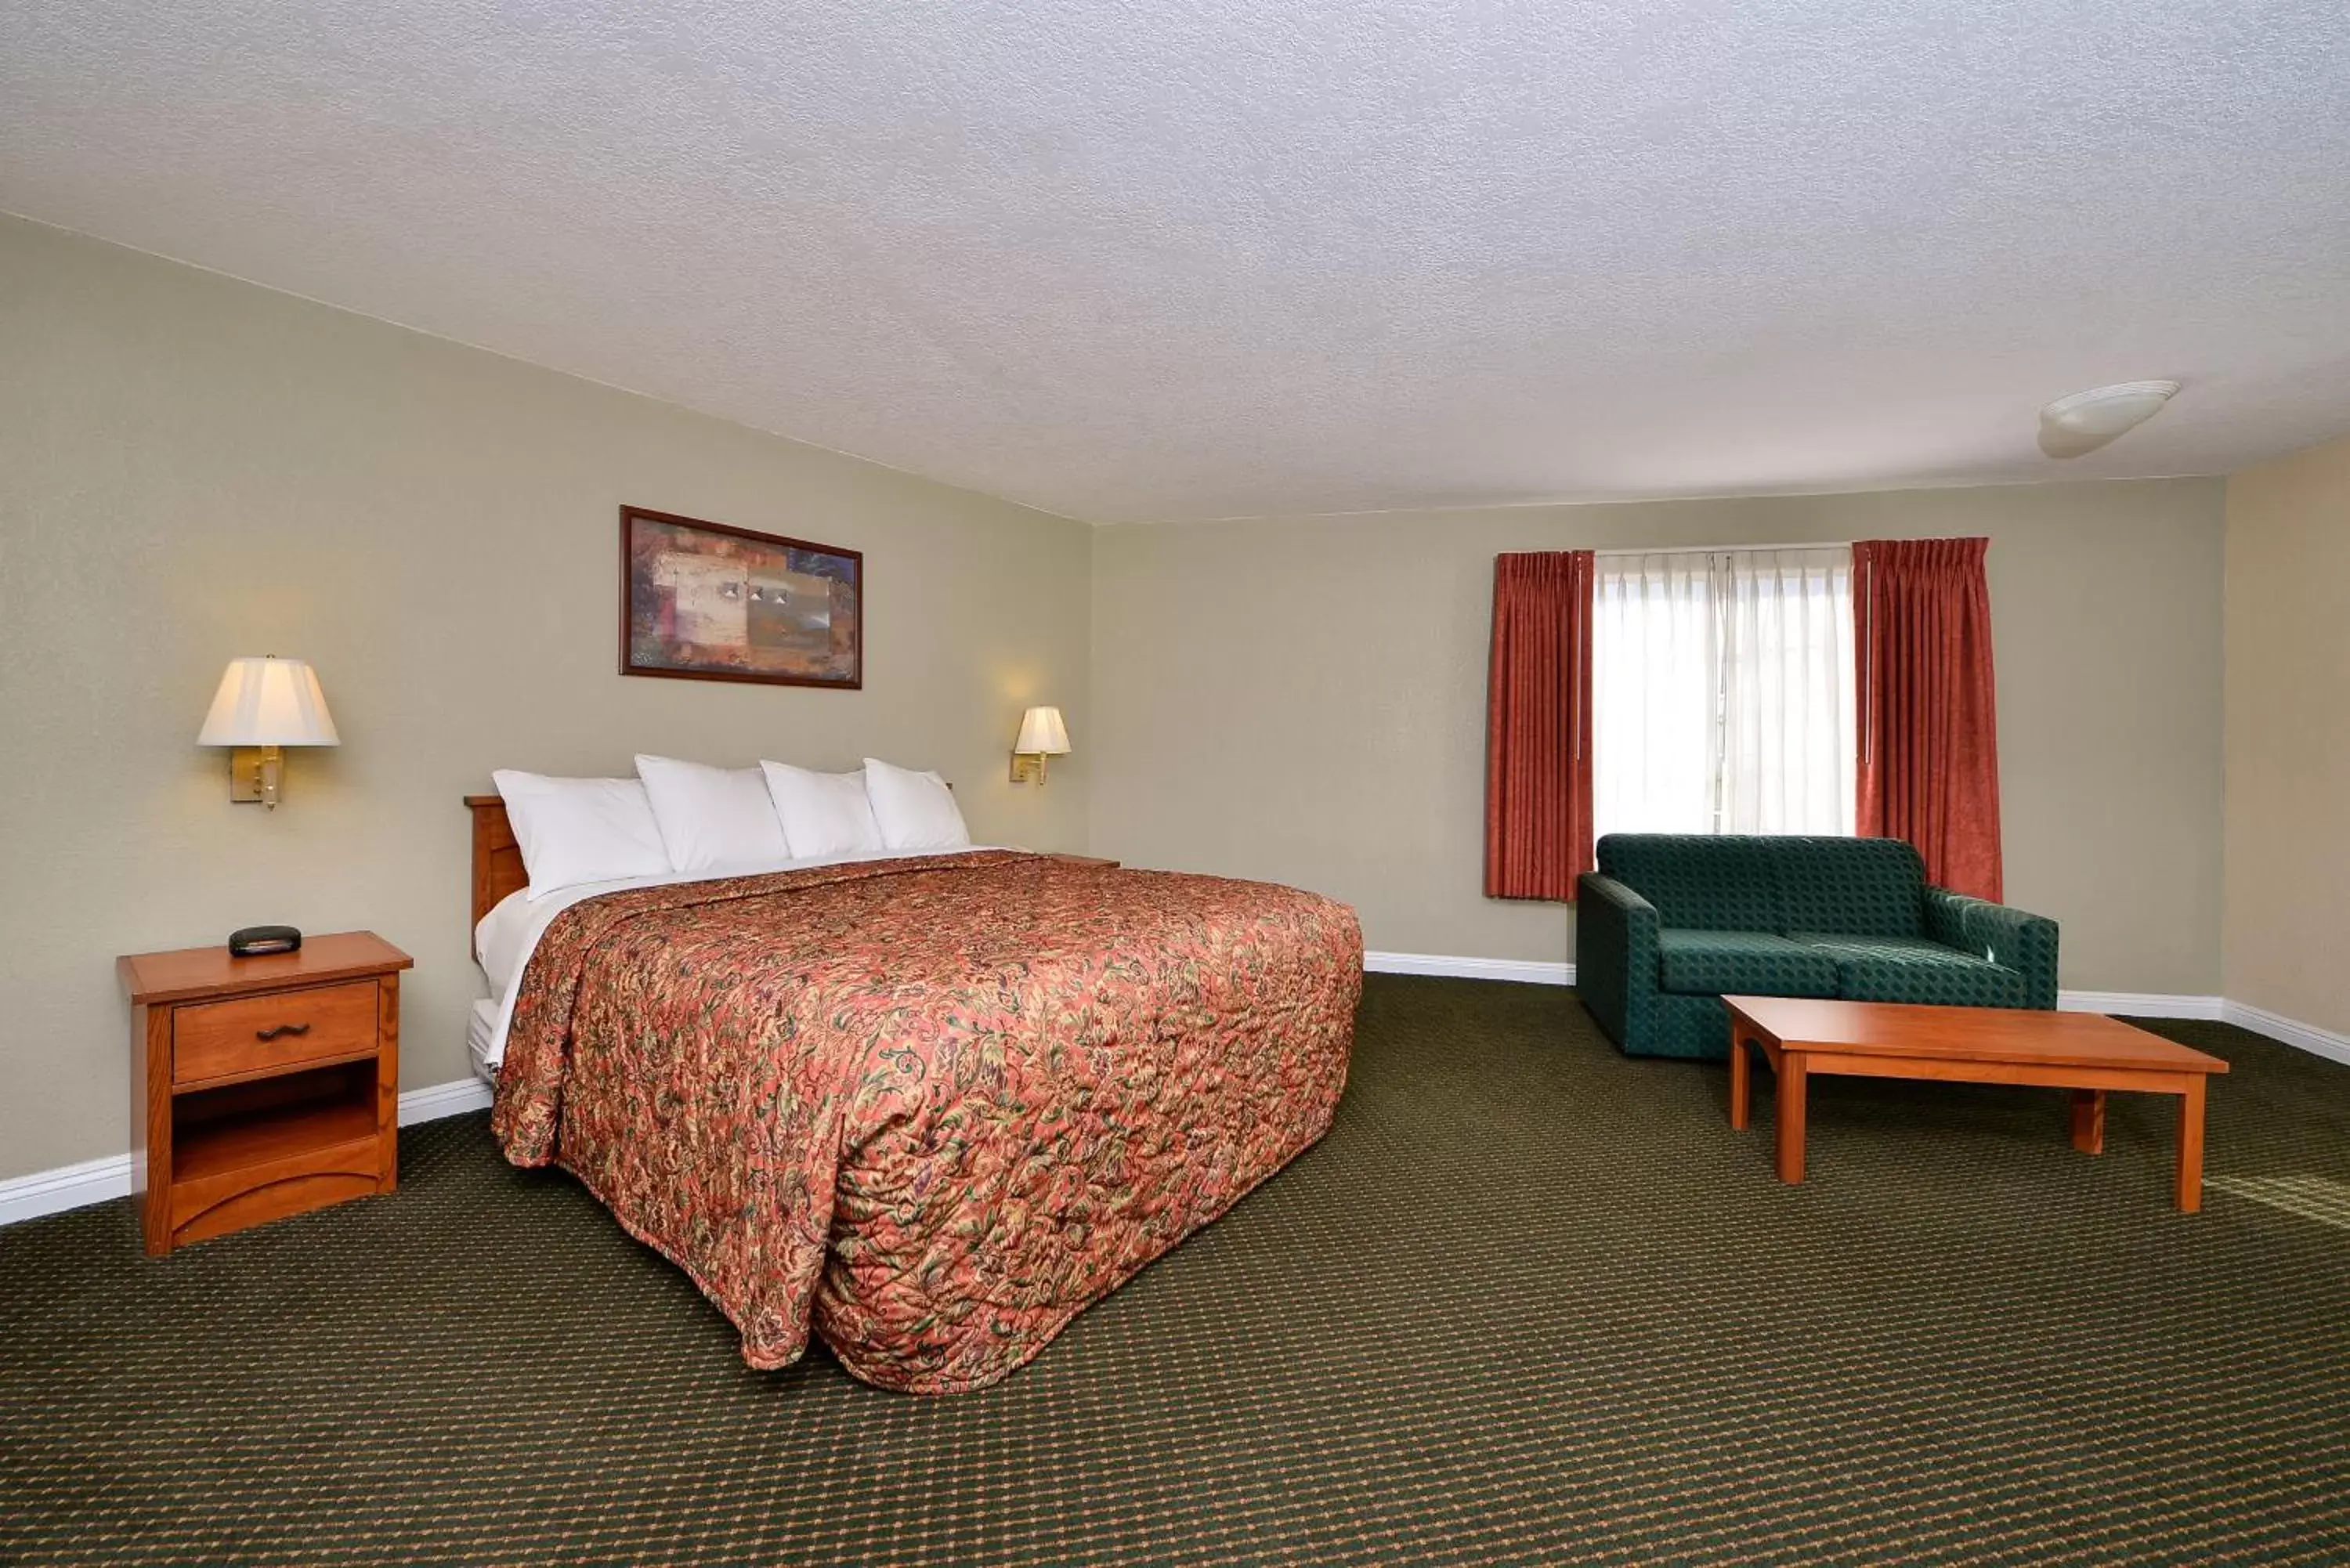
[{"x": 2087, "y": 420}]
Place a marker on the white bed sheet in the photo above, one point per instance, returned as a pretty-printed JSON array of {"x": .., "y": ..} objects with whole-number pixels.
[
  {"x": 480, "y": 1025},
  {"x": 509, "y": 934}
]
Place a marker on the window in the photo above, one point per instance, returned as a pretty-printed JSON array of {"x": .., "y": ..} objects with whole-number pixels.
[{"x": 1723, "y": 691}]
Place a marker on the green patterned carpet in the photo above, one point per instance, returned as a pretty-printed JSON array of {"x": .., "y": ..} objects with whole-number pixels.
[{"x": 1529, "y": 1302}]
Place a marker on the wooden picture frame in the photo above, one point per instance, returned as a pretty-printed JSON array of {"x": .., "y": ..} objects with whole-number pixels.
[{"x": 709, "y": 601}]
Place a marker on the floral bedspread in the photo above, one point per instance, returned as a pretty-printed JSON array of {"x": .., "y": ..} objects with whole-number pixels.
[{"x": 935, "y": 1107}]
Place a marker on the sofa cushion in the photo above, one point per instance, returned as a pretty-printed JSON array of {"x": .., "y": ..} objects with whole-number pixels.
[
  {"x": 1712, "y": 963},
  {"x": 1850, "y": 887},
  {"x": 1698, "y": 881},
  {"x": 1911, "y": 968}
]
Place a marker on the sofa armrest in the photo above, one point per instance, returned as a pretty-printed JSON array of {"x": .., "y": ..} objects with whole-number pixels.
[
  {"x": 1616, "y": 956},
  {"x": 2011, "y": 937}
]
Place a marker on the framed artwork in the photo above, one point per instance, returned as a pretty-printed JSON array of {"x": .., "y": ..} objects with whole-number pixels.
[{"x": 704, "y": 601}]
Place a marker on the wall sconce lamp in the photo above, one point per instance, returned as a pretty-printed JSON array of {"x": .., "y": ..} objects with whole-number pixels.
[
  {"x": 1042, "y": 735},
  {"x": 262, "y": 705}
]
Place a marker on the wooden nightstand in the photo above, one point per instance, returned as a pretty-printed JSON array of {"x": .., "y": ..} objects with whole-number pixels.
[
  {"x": 1083, "y": 861},
  {"x": 261, "y": 1087}
]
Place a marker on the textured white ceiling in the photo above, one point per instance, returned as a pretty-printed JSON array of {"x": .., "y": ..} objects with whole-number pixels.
[{"x": 1191, "y": 258}]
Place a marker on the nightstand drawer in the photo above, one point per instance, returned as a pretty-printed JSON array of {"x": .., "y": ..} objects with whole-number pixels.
[{"x": 269, "y": 1033}]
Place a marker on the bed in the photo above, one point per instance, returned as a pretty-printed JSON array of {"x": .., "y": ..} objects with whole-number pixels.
[{"x": 928, "y": 1107}]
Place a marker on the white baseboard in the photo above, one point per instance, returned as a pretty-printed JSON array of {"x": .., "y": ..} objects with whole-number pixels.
[
  {"x": 2140, "y": 1004},
  {"x": 1525, "y": 971},
  {"x": 66, "y": 1187},
  {"x": 96, "y": 1180},
  {"x": 2308, "y": 1037},
  {"x": 450, "y": 1099}
]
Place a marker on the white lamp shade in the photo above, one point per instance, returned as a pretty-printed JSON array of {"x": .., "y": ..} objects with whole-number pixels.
[
  {"x": 268, "y": 702},
  {"x": 1042, "y": 733}
]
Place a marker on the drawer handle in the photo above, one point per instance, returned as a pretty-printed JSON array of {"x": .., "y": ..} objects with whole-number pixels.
[{"x": 273, "y": 1033}]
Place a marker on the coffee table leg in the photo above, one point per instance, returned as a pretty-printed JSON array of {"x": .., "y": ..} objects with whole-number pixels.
[
  {"x": 2089, "y": 1120},
  {"x": 2191, "y": 1147},
  {"x": 1789, "y": 1115},
  {"x": 1741, "y": 1083}
]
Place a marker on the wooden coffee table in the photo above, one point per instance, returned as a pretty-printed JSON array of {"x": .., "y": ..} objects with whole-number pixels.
[{"x": 2082, "y": 1052}]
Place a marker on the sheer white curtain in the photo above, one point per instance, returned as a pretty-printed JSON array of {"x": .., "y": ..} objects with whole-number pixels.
[
  {"x": 1789, "y": 756},
  {"x": 1655, "y": 694},
  {"x": 1723, "y": 692}
]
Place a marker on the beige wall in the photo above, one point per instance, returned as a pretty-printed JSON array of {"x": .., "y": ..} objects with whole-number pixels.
[
  {"x": 191, "y": 468},
  {"x": 2287, "y": 936},
  {"x": 1305, "y": 699}
]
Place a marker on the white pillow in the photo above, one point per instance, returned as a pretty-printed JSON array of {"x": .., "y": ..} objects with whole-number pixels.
[
  {"x": 581, "y": 830},
  {"x": 914, "y": 811},
  {"x": 823, "y": 814},
  {"x": 713, "y": 819}
]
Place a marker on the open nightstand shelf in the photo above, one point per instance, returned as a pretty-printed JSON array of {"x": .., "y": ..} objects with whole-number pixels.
[{"x": 202, "y": 1148}]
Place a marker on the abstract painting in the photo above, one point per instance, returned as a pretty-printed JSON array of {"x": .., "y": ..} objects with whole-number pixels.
[{"x": 704, "y": 601}]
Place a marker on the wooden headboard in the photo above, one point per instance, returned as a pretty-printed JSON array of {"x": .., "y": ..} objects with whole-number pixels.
[{"x": 498, "y": 858}]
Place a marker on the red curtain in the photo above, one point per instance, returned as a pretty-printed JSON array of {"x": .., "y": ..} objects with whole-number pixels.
[
  {"x": 1929, "y": 732},
  {"x": 1538, "y": 726}
]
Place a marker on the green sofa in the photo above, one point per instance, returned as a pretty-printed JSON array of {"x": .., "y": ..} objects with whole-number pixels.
[{"x": 1670, "y": 923}]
